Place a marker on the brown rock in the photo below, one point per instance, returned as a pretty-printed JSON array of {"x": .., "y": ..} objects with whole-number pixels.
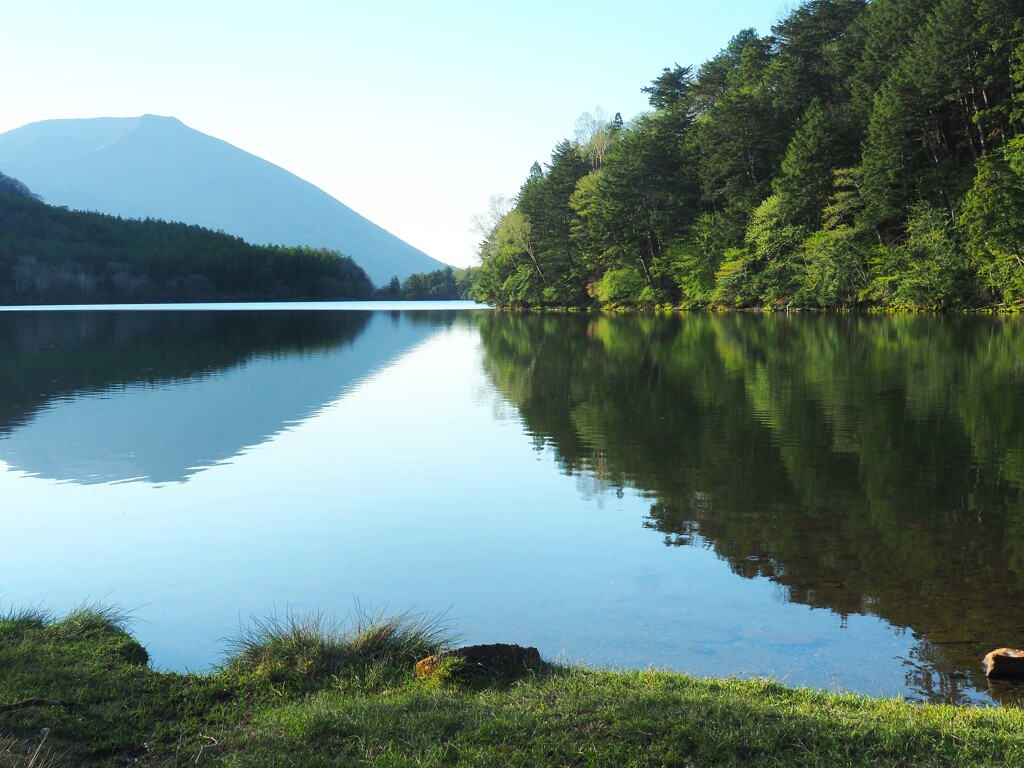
[
  {"x": 1004, "y": 662},
  {"x": 427, "y": 666},
  {"x": 493, "y": 660}
]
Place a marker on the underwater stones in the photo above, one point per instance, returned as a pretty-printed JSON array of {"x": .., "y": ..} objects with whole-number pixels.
[
  {"x": 1004, "y": 662},
  {"x": 477, "y": 661}
]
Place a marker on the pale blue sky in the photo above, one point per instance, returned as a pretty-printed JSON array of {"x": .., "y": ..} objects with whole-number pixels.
[{"x": 411, "y": 113}]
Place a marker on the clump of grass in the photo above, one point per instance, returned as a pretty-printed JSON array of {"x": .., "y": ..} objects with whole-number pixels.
[
  {"x": 92, "y": 618},
  {"x": 371, "y": 650},
  {"x": 86, "y": 619},
  {"x": 83, "y": 677},
  {"x": 108, "y": 624},
  {"x": 27, "y": 617},
  {"x": 104, "y": 626}
]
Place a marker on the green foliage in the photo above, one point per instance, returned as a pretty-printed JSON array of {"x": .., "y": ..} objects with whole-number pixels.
[
  {"x": 465, "y": 282},
  {"x": 929, "y": 268},
  {"x": 693, "y": 259},
  {"x": 445, "y": 284},
  {"x": 884, "y": 32},
  {"x": 823, "y": 142},
  {"x": 671, "y": 88},
  {"x": 52, "y": 255},
  {"x": 993, "y": 217},
  {"x": 734, "y": 279},
  {"x": 742, "y": 136},
  {"x": 801, "y": 168},
  {"x": 774, "y": 248},
  {"x": 836, "y": 267},
  {"x": 642, "y": 198},
  {"x": 510, "y": 273},
  {"x": 546, "y": 231},
  {"x": 945, "y": 104},
  {"x": 816, "y": 53},
  {"x": 837, "y": 255},
  {"x": 623, "y": 286}
]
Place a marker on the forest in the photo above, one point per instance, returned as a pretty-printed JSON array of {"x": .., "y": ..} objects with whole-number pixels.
[
  {"x": 51, "y": 255},
  {"x": 445, "y": 284},
  {"x": 862, "y": 155}
]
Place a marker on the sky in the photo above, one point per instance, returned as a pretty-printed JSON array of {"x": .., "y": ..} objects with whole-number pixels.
[{"x": 412, "y": 113}]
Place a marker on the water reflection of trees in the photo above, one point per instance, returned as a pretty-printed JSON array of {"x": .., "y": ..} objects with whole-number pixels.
[
  {"x": 49, "y": 355},
  {"x": 866, "y": 464}
]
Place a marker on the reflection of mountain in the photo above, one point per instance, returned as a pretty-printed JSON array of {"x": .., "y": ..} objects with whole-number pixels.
[
  {"x": 868, "y": 465},
  {"x": 103, "y": 396}
]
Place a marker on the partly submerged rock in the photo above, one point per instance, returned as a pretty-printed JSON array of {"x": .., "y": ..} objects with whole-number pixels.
[
  {"x": 501, "y": 660},
  {"x": 1004, "y": 662}
]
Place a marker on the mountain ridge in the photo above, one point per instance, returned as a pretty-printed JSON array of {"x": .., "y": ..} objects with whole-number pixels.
[{"x": 154, "y": 166}]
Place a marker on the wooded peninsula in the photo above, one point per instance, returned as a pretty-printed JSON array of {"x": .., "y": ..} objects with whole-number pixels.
[
  {"x": 50, "y": 255},
  {"x": 864, "y": 155}
]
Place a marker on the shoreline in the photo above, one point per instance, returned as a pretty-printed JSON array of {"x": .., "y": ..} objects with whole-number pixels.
[{"x": 79, "y": 691}]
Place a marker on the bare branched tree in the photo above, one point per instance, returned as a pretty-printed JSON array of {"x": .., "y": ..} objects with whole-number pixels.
[
  {"x": 484, "y": 224},
  {"x": 594, "y": 134}
]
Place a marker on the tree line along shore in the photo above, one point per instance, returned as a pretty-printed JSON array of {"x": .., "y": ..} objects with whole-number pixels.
[
  {"x": 51, "y": 255},
  {"x": 860, "y": 155}
]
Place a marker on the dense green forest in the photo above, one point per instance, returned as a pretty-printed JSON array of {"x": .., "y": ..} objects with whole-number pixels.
[
  {"x": 446, "y": 284},
  {"x": 863, "y": 154},
  {"x": 50, "y": 255}
]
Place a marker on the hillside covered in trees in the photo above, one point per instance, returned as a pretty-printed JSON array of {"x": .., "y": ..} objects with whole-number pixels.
[
  {"x": 51, "y": 255},
  {"x": 863, "y": 154},
  {"x": 447, "y": 284}
]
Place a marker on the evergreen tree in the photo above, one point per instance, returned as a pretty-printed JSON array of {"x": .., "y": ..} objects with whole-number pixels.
[
  {"x": 815, "y": 54},
  {"x": 822, "y": 143},
  {"x": 544, "y": 203},
  {"x": 993, "y": 217},
  {"x": 742, "y": 135},
  {"x": 864, "y": 152},
  {"x": 885, "y": 30}
]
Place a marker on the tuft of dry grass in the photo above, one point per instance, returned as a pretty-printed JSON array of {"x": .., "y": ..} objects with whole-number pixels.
[
  {"x": 14, "y": 754},
  {"x": 307, "y": 651}
]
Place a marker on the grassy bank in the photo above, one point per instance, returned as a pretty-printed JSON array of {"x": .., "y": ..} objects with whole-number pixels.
[{"x": 78, "y": 691}]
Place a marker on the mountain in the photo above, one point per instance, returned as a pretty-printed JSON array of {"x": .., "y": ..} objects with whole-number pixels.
[{"x": 157, "y": 167}]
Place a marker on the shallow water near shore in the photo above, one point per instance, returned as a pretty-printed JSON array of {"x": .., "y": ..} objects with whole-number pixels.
[{"x": 831, "y": 501}]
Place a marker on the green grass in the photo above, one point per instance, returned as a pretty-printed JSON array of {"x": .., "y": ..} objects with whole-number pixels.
[
  {"x": 301, "y": 652},
  {"x": 312, "y": 692}
]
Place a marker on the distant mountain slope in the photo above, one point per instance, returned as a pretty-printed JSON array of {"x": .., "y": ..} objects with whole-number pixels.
[{"x": 158, "y": 167}]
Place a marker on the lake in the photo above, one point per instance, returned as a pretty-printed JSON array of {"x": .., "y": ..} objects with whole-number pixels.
[{"x": 831, "y": 501}]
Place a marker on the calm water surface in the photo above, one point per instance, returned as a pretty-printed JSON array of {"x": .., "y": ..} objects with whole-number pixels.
[{"x": 831, "y": 501}]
